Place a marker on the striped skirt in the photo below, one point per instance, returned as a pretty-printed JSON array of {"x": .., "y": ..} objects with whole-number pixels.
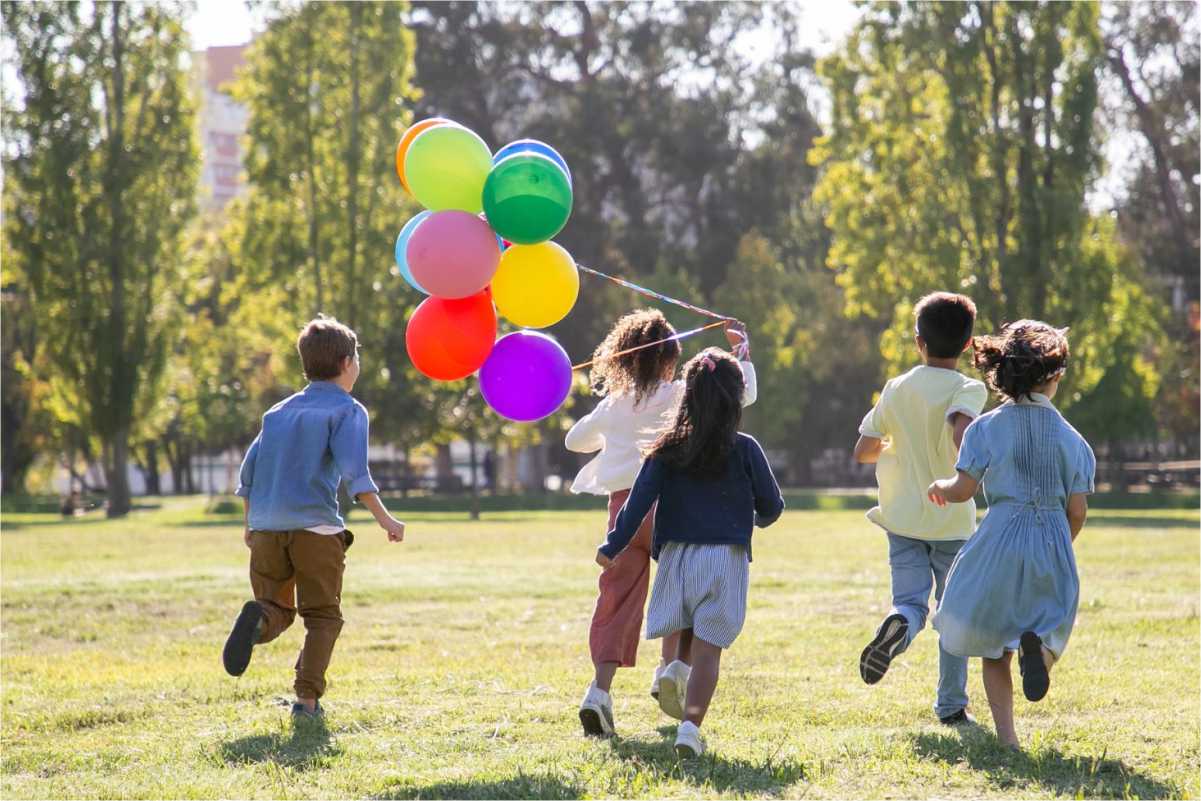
[{"x": 699, "y": 587}]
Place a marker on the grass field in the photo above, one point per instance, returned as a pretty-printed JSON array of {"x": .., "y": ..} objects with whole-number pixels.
[{"x": 464, "y": 657}]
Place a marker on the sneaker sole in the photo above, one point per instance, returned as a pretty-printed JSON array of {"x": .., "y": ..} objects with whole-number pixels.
[
  {"x": 593, "y": 723},
  {"x": 669, "y": 698},
  {"x": 240, "y": 644},
  {"x": 1035, "y": 678},
  {"x": 877, "y": 656}
]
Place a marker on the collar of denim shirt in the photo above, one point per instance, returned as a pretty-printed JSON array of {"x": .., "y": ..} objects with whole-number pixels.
[{"x": 328, "y": 386}]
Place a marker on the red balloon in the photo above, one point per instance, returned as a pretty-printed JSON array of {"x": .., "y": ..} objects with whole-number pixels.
[{"x": 448, "y": 339}]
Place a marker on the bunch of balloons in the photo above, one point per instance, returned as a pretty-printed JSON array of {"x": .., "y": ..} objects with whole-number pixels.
[{"x": 482, "y": 247}]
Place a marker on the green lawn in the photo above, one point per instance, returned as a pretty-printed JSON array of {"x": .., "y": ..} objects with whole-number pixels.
[{"x": 464, "y": 656}]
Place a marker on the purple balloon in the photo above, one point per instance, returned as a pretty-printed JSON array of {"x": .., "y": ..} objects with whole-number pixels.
[{"x": 527, "y": 376}]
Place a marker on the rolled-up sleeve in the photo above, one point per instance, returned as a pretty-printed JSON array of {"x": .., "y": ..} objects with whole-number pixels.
[
  {"x": 246, "y": 474},
  {"x": 873, "y": 422},
  {"x": 973, "y": 453},
  {"x": 349, "y": 445}
]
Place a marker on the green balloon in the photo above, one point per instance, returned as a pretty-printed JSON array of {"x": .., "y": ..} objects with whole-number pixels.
[
  {"x": 446, "y": 167},
  {"x": 527, "y": 198}
]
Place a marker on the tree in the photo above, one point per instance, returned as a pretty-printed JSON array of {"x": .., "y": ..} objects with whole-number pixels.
[
  {"x": 327, "y": 86},
  {"x": 102, "y": 170},
  {"x": 962, "y": 146}
]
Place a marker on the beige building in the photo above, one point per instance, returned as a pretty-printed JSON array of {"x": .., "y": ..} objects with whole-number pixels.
[{"x": 222, "y": 124}]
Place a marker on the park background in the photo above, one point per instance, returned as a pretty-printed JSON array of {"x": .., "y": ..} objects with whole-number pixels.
[
  {"x": 185, "y": 185},
  {"x": 173, "y": 215}
]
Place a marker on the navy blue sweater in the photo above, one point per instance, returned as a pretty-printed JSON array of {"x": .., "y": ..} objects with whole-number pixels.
[{"x": 701, "y": 511}]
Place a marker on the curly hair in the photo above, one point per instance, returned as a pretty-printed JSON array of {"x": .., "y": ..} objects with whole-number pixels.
[
  {"x": 640, "y": 372},
  {"x": 706, "y": 419},
  {"x": 1024, "y": 355}
]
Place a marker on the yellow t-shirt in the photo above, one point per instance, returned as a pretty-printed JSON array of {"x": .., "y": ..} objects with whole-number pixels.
[{"x": 913, "y": 418}]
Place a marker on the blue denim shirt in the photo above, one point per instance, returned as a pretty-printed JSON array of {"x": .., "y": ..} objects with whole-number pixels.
[{"x": 309, "y": 442}]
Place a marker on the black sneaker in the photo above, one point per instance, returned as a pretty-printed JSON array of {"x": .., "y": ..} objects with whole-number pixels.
[
  {"x": 960, "y": 718},
  {"x": 877, "y": 656},
  {"x": 242, "y": 638},
  {"x": 1035, "y": 678}
]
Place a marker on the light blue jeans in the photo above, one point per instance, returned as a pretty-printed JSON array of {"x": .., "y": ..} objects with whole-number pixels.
[{"x": 917, "y": 567}]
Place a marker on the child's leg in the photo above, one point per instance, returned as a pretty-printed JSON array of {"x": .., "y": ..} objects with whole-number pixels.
[
  {"x": 684, "y": 646},
  {"x": 617, "y": 620},
  {"x": 912, "y": 580},
  {"x": 320, "y": 560},
  {"x": 952, "y": 670},
  {"x": 706, "y": 664},
  {"x": 671, "y": 650},
  {"x": 273, "y": 582},
  {"x": 998, "y": 686}
]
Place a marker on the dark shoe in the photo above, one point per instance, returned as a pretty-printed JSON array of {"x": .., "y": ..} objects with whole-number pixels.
[
  {"x": 1035, "y": 678},
  {"x": 877, "y": 656},
  {"x": 960, "y": 718},
  {"x": 299, "y": 713},
  {"x": 242, "y": 638}
]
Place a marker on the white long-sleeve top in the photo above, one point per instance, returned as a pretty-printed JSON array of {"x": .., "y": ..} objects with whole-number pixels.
[{"x": 619, "y": 429}]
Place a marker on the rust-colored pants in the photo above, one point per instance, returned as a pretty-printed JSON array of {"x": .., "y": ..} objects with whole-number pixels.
[
  {"x": 617, "y": 621},
  {"x": 290, "y": 569}
]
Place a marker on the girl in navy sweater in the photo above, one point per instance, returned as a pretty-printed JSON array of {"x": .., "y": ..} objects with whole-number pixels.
[{"x": 713, "y": 486}]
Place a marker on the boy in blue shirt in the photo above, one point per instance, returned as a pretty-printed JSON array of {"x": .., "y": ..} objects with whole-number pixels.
[{"x": 297, "y": 540}]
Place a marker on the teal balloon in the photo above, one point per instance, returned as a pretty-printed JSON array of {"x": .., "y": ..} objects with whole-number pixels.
[
  {"x": 402, "y": 248},
  {"x": 527, "y": 198}
]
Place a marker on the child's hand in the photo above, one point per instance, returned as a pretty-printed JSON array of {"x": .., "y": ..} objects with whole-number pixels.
[
  {"x": 736, "y": 333},
  {"x": 937, "y": 492},
  {"x": 602, "y": 560},
  {"x": 395, "y": 529}
]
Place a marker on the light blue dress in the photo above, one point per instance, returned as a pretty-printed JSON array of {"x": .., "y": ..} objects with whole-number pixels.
[{"x": 1018, "y": 572}]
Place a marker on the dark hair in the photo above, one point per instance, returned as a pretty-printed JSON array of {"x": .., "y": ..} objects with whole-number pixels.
[
  {"x": 639, "y": 372},
  {"x": 706, "y": 419},
  {"x": 944, "y": 321},
  {"x": 1024, "y": 355},
  {"x": 322, "y": 345}
]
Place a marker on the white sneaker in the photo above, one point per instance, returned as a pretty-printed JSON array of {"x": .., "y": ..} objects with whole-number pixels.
[
  {"x": 655, "y": 681},
  {"x": 688, "y": 741},
  {"x": 596, "y": 712},
  {"x": 673, "y": 689}
]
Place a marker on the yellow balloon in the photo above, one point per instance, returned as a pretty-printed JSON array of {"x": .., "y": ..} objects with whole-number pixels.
[{"x": 535, "y": 285}]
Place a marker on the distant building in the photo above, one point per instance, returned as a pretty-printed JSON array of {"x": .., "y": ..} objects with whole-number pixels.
[{"x": 222, "y": 124}]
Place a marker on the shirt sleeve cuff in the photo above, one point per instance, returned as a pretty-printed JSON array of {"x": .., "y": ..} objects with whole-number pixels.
[
  {"x": 867, "y": 431},
  {"x": 970, "y": 413},
  {"x": 360, "y": 485},
  {"x": 242, "y": 491},
  {"x": 608, "y": 550},
  {"x": 972, "y": 470}
]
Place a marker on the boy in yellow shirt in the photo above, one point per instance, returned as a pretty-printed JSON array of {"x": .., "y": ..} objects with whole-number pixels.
[{"x": 912, "y": 435}]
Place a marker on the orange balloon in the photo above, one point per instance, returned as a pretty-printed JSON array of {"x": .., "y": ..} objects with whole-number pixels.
[{"x": 402, "y": 147}]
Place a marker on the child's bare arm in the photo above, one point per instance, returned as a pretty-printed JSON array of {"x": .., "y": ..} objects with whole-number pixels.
[
  {"x": 959, "y": 423},
  {"x": 953, "y": 490},
  {"x": 1077, "y": 512},
  {"x": 867, "y": 449},
  {"x": 395, "y": 528}
]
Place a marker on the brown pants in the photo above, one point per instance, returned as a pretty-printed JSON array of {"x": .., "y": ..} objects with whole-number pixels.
[{"x": 300, "y": 568}]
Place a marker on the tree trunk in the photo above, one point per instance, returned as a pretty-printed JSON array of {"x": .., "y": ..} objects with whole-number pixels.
[
  {"x": 443, "y": 468},
  {"x": 475, "y": 490},
  {"x": 353, "y": 157},
  {"x": 116, "y": 474},
  {"x": 309, "y": 135},
  {"x": 150, "y": 469}
]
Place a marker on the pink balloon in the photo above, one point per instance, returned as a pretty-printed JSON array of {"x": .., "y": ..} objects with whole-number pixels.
[{"x": 453, "y": 254}]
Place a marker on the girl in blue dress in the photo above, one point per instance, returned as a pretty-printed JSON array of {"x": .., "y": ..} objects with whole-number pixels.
[{"x": 1014, "y": 585}]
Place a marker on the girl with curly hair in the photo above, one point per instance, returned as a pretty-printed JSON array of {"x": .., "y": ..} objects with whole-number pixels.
[
  {"x": 1014, "y": 586},
  {"x": 633, "y": 375},
  {"x": 713, "y": 485}
]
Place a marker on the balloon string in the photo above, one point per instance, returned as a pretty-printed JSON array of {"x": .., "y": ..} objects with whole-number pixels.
[
  {"x": 653, "y": 294},
  {"x": 681, "y": 335}
]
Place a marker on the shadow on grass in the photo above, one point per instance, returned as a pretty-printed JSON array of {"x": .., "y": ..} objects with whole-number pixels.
[
  {"x": 307, "y": 747},
  {"x": 1142, "y": 521},
  {"x": 768, "y": 777},
  {"x": 523, "y": 785},
  {"x": 1049, "y": 768}
]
